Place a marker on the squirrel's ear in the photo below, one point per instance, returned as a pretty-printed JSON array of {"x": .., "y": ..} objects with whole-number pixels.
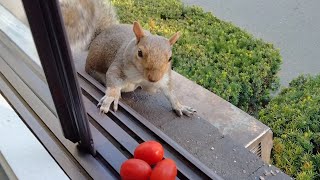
[
  {"x": 174, "y": 38},
  {"x": 138, "y": 31}
]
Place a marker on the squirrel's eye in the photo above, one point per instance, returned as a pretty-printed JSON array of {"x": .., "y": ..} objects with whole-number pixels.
[
  {"x": 170, "y": 59},
  {"x": 140, "y": 53}
]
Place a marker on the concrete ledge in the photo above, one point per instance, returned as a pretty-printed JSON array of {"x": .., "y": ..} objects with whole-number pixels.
[
  {"x": 228, "y": 119},
  {"x": 213, "y": 140},
  {"x": 217, "y": 135}
]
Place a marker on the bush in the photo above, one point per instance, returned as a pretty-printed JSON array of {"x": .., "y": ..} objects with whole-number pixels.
[
  {"x": 215, "y": 54},
  {"x": 294, "y": 117}
]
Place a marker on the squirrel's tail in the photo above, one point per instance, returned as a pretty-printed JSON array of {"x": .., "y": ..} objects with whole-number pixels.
[{"x": 85, "y": 19}]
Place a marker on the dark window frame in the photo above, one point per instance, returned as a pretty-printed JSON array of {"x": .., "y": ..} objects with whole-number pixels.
[{"x": 47, "y": 28}]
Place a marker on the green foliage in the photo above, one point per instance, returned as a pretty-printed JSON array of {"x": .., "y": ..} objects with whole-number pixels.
[
  {"x": 217, "y": 55},
  {"x": 294, "y": 117}
]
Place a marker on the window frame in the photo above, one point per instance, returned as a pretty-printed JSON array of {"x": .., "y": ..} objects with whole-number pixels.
[{"x": 47, "y": 28}]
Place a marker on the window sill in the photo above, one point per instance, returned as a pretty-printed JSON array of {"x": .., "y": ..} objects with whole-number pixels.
[
  {"x": 115, "y": 135},
  {"x": 17, "y": 153}
]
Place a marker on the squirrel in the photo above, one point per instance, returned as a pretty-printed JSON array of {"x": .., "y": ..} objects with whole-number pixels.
[{"x": 123, "y": 57}]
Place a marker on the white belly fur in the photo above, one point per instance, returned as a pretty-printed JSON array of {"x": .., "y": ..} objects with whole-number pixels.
[{"x": 146, "y": 85}]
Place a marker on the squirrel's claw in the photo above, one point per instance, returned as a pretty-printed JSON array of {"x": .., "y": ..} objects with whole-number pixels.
[
  {"x": 104, "y": 104},
  {"x": 100, "y": 101},
  {"x": 112, "y": 95},
  {"x": 115, "y": 104},
  {"x": 188, "y": 111},
  {"x": 178, "y": 112}
]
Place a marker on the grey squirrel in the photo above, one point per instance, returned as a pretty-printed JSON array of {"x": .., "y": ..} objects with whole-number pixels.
[{"x": 122, "y": 57}]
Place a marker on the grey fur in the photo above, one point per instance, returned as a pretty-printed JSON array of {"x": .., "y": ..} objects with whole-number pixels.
[
  {"x": 114, "y": 48},
  {"x": 85, "y": 19}
]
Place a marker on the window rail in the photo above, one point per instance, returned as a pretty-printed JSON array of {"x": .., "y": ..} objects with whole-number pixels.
[{"x": 47, "y": 28}]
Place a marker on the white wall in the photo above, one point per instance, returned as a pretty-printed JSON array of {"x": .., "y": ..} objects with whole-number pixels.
[
  {"x": 23, "y": 152},
  {"x": 16, "y": 8}
]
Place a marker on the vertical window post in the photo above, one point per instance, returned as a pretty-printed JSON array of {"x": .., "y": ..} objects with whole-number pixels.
[{"x": 47, "y": 27}]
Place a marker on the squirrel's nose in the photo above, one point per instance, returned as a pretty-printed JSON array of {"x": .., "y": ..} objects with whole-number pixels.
[{"x": 151, "y": 79}]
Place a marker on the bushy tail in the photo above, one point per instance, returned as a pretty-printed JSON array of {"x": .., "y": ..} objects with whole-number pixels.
[{"x": 85, "y": 19}]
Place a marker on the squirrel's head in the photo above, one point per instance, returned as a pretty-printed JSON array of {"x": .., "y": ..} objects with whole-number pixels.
[{"x": 152, "y": 53}]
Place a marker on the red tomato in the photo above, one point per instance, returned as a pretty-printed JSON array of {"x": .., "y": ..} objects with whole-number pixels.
[
  {"x": 149, "y": 151},
  {"x": 165, "y": 169},
  {"x": 135, "y": 169}
]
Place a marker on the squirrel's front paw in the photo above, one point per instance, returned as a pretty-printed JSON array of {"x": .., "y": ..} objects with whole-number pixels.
[
  {"x": 186, "y": 110},
  {"x": 112, "y": 95}
]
